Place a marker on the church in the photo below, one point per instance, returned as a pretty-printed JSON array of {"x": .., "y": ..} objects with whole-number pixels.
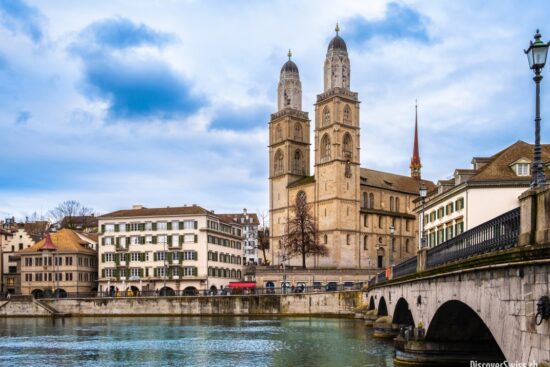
[{"x": 355, "y": 208}]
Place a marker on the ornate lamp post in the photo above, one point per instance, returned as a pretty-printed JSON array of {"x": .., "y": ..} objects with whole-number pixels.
[
  {"x": 423, "y": 191},
  {"x": 536, "y": 55}
]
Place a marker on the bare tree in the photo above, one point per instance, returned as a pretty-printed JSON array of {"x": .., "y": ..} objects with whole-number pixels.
[
  {"x": 302, "y": 237},
  {"x": 263, "y": 235},
  {"x": 67, "y": 211}
]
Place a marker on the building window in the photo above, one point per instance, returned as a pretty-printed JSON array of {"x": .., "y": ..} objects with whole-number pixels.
[
  {"x": 298, "y": 135},
  {"x": 371, "y": 201},
  {"x": 161, "y": 256},
  {"x": 326, "y": 116},
  {"x": 326, "y": 239},
  {"x": 459, "y": 228},
  {"x": 347, "y": 114},
  {"x": 459, "y": 204},
  {"x": 449, "y": 208},
  {"x": 365, "y": 243},
  {"x": 109, "y": 227},
  {"x": 348, "y": 239},
  {"x": 134, "y": 256},
  {"x": 135, "y": 272},
  {"x": 407, "y": 243},
  {"x": 365, "y": 199},
  {"x": 396, "y": 204},
  {"x": 298, "y": 165},
  {"x": 380, "y": 221},
  {"x": 407, "y": 225},
  {"x": 162, "y": 226},
  {"x": 189, "y": 238},
  {"x": 392, "y": 205},
  {"x": 522, "y": 169},
  {"x": 347, "y": 146},
  {"x": 366, "y": 220},
  {"x": 325, "y": 148},
  {"x": 279, "y": 162}
]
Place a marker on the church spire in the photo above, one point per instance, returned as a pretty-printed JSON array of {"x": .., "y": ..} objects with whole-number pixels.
[{"x": 415, "y": 160}]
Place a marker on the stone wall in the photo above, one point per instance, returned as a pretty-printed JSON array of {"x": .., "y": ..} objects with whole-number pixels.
[{"x": 330, "y": 303}]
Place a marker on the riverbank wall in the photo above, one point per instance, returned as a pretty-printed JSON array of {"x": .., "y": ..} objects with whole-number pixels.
[{"x": 315, "y": 304}]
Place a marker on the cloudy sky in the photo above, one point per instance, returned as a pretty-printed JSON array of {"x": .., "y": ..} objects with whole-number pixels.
[{"x": 114, "y": 103}]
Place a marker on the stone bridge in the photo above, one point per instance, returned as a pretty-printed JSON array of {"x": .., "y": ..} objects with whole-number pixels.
[{"x": 454, "y": 305}]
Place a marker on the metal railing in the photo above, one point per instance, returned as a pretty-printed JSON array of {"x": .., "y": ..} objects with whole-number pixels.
[
  {"x": 405, "y": 267},
  {"x": 499, "y": 233}
]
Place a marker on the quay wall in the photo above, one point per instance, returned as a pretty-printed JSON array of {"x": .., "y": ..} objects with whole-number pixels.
[{"x": 329, "y": 303}]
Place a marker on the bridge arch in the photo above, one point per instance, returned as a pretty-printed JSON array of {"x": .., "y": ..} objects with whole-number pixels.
[
  {"x": 455, "y": 322},
  {"x": 382, "y": 307},
  {"x": 372, "y": 305},
  {"x": 402, "y": 314}
]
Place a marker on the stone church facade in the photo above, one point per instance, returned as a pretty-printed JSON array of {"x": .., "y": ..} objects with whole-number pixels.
[{"x": 354, "y": 207}]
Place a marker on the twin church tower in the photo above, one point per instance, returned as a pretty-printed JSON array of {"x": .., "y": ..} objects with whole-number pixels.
[{"x": 334, "y": 191}]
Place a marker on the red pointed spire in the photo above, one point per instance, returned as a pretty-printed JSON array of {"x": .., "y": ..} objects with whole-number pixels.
[
  {"x": 48, "y": 244},
  {"x": 415, "y": 160}
]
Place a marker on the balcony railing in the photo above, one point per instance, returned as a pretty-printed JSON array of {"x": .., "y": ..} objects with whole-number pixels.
[
  {"x": 497, "y": 234},
  {"x": 405, "y": 267}
]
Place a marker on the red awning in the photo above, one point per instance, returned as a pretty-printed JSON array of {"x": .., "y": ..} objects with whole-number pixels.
[{"x": 236, "y": 285}]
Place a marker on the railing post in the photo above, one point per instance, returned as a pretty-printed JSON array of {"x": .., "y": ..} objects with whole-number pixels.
[
  {"x": 535, "y": 216},
  {"x": 422, "y": 257}
]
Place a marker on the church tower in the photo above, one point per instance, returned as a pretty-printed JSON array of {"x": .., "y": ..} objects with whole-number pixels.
[
  {"x": 289, "y": 143},
  {"x": 337, "y": 159},
  {"x": 415, "y": 165}
]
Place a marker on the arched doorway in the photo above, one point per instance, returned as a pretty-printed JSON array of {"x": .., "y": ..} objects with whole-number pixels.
[
  {"x": 402, "y": 314},
  {"x": 382, "y": 307},
  {"x": 48, "y": 293},
  {"x": 38, "y": 293},
  {"x": 213, "y": 290},
  {"x": 60, "y": 293},
  {"x": 166, "y": 291},
  {"x": 270, "y": 287},
  {"x": 132, "y": 291},
  {"x": 190, "y": 291}
]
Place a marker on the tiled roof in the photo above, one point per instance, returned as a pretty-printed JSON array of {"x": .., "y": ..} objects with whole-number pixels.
[
  {"x": 498, "y": 166},
  {"x": 236, "y": 218},
  {"x": 65, "y": 240},
  {"x": 82, "y": 221},
  {"x": 151, "y": 212},
  {"x": 391, "y": 181}
]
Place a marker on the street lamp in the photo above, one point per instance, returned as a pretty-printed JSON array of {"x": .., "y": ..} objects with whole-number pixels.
[
  {"x": 536, "y": 55},
  {"x": 423, "y": 191},
  {"x": 392, "y": 233}
]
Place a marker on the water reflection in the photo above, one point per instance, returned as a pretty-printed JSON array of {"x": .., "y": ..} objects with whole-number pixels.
[{"x": 191, "y": 341}]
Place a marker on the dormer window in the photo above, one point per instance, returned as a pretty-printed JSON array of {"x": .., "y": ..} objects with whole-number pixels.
[{"x": 522, "y": 169}]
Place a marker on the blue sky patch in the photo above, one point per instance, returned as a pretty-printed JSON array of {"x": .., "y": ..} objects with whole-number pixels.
[
  {"x": 400, "y": 22},
  {"x": 16, "y": 16}
]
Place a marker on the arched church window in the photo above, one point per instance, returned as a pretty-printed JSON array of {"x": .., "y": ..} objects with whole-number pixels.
[
  {"x": 325, "y": 148},
  {"x": 298, "y": 135},
  {"x": 298, "y": 165},
  {"x": 347, "y": 146},
  {"x": 325, "y": 239},
  {"x": 365, "y": 243},
  {"x": 392, "y": 205},
  {"x": 279, "y": 162},
  {"x": 301, "y": 198},
  {"x": 347, "y": 114},
  {"x": 278, "y": 133},
  {"x": 365, "y": 200},
  {"x": 396, "y": 204},
  {"x": 348, "y": 239},
  {"x": 407, "y": 242},
  {"x": 326, "y": 116}
]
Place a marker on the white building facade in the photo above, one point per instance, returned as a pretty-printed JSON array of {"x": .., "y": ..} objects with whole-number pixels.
[
  {"x": 474, "y": 196},
  {"x": 183, "y": 250}
]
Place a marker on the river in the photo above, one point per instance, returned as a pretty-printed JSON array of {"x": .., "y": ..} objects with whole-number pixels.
[{"x": 191, "y": 341}]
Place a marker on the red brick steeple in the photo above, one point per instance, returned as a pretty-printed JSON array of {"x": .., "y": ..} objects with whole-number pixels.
[{"x": 415, "y": 160}]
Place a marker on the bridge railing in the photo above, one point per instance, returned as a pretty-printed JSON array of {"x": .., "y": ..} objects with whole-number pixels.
[
  {"x": 405, "y": 267},
  {"x": 499, "y": 233}
]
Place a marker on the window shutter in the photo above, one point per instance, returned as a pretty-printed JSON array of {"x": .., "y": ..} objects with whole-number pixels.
[
  {"x": 102, "y": 241},
  {"x": 169, "y": 239},
  {"x": 155, "y": 272},
  {"x": 194, "y": 255},
  {"x": 154, "y": 239},
  {"x": 127, "y": 240},
  {"x": 196, "y": 237},
  {"x": 117, "y": 241},
  {"x": 155, "y": 256},
  {"x": 196, "y": 224},
  {"x": 103, "y": 273},
  {"x": 154, "y": 226},
  {"x": 103, "y": 228},
  {"x": 102, "y": 258},
  {"x": 142, "y": 256},
  {"x": 181, "y": 239},
  {"x": 127, "y": 273},
  {"x": 117, "y": 227},
  {"x": 140, "y": 272},
  {"x": 127, "y": 257},
  {"x": 180, "y": 225},
  {"x": 116, "y": 273},
  {"x": 169, "y": 226},
  {"x": 181, "y": 257},
  {"x": 168, "y": 256},
  {"x": 195, "y": 270}
]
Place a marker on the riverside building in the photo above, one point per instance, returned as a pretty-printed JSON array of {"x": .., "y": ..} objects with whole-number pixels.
[{"x": 172, "y": 250}]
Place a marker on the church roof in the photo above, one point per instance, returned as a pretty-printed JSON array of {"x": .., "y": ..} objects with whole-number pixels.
[
  {"x": 337, "y": 43},
  {"x": 289, "y": 66},
  {"x": 392, "y": 181}
]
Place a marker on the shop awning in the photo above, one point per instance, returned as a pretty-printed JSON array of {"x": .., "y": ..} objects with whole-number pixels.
[{"x": 237, "y": 285}]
